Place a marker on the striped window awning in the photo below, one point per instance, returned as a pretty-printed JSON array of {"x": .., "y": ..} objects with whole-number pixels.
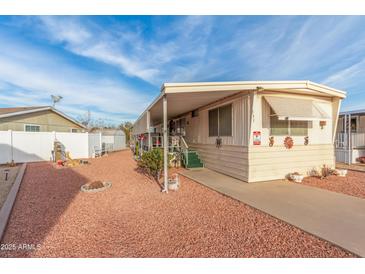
[{"x": 296, "y": 109}]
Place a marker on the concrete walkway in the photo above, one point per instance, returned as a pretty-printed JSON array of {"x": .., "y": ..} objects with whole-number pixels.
[
  {"x": 337, "y": 218},
  {"x": 355, "y": 167}
]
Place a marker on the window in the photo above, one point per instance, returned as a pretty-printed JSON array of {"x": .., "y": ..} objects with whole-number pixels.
[
  {"x": 353, "y": 124},
  {"x": 225, "y": 120},
  {"x": 32, "y": 128},
  {"x": 286, "y": 127},
  {"x": 298, "y": 128},
  {"x": 213, "y": 122},
  {"x": 278, "y": 127},
  {"x": 220, "y": 121},
  {"x": 74, "y": 130}
]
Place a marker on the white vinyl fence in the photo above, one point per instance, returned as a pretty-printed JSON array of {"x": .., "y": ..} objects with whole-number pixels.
[{"x": 23, "y": 146}]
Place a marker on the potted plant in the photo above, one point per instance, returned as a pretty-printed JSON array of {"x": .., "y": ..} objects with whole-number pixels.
[
  {"x": 341, "y": 172},
  {"x": 296, "y": 177},
  {"x": 173, "y": 182}
]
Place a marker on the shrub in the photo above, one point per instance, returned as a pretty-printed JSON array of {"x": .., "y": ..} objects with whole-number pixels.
[
  {"x": 136, "y": 149},
  {"x": 152, "y": 161}
]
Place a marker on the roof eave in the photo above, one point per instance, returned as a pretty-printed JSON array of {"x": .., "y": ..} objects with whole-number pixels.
[
  {"x": 167, "y": 88},
  {"x": 162, "y": 93},
  {"x": 248, "y": 85},
  {"x": 23, "y": 112}
]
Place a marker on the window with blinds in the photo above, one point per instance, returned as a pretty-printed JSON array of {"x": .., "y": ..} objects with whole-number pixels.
[
  {"x": 278, "y": 127},
  {"x": 299, "y": 128},
  {"x": 220, "y": 121},
  {"x": 213, "y": 122}
]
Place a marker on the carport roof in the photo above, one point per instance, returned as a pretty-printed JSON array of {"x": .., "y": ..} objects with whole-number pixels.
[{"x": 185, "y": 97}]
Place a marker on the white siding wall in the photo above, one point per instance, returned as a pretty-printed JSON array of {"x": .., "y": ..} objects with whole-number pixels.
[
  {"x": 229, "y": 160},
  {"x": 270, "y": 163},
  {"x": 232, "y": 157},
  {"x": 197, "y": 129},
  {"x": 316, "y": 134}
]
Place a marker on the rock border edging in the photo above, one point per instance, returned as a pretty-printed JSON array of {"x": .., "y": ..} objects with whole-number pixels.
[
  {"x": 7, "y": 207},
  {"x": 106, "y": 186}
]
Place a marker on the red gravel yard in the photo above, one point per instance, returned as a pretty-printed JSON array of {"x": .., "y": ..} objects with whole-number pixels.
[
  {"x": 52, "y": 218},
  {"x": 353, "y": 184}
]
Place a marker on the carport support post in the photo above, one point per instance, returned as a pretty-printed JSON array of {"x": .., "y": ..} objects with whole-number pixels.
[
  {"x": 349, "y": 131},
  {"x": 165, "y": 145},
  {"x": 148, "y": 130}
]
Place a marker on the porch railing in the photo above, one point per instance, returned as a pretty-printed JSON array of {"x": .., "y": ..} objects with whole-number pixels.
[
  {"x": 341, "y": 140},
  {"x": 357, "y": 140},
  {"x": 157, "y": 142},
  {"x": 184, "y": 151},
  {"x": 345, "y": 144}
]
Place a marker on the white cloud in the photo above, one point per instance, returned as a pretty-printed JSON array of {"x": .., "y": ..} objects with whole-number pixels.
[
  {"x": 150, "y": 60},
  {"x": 101, "y": 45},
  {"x": 348, "y": 77},
  {"x": 38, "y": 77}
]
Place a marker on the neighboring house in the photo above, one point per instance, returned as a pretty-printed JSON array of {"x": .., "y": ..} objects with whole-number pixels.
[
  {"x": 37, "y": 119},
  {"x": 253, "y": 131},
  {"x": 355, "y": 119},
  {"x": 350, "y": 138}
]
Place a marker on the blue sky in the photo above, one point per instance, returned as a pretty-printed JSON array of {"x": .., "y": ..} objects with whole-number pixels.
[{"x": 114, "y": 66}]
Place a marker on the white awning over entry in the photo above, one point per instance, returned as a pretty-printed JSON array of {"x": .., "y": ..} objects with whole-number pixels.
[{"x": 296, "y": 109}]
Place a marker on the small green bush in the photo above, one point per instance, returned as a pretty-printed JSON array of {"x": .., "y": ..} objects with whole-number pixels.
[
  {"x": 152, "y": 161},
  {"x": 137, "y": 149}
]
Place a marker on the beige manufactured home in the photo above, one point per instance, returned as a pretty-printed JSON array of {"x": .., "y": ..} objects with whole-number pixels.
[{"x": 253, "y": 131}]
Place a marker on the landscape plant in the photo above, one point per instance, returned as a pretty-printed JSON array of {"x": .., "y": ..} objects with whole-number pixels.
[{"x": 152, "y": 161}]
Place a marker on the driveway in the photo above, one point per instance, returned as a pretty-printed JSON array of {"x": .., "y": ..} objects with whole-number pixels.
[{"x": 335, "y": 217}]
